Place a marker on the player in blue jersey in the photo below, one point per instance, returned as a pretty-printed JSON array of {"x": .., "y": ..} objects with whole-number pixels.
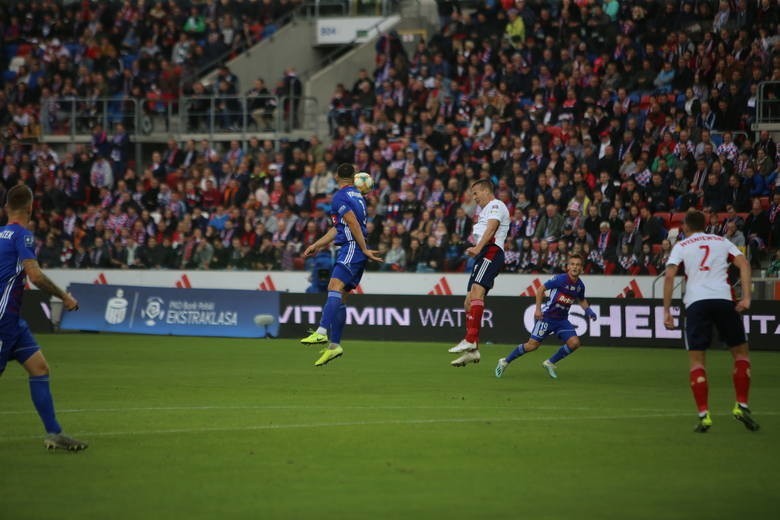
[
  {"x": 348, "y": 215},
  {"x": 17, "y": 259},
  {"x": 565, "y": 289}
]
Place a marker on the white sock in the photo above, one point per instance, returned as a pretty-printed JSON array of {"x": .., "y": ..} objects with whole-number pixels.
[{"x": 322, "y": 330}]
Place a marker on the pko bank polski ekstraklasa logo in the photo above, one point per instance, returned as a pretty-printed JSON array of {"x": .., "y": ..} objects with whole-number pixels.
[{"x": 153, "y": 312}]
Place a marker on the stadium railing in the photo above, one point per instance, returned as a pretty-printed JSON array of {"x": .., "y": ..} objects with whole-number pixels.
[
  {"x": 768, "y": 106},
  {"x": 208, "y": 116}
]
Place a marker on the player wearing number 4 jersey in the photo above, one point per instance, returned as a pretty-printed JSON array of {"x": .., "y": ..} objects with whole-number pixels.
[
  {"x": 708, "y": 303},
  {"x": 488, "y": 238},
  {"x": 553, "y": 318}
]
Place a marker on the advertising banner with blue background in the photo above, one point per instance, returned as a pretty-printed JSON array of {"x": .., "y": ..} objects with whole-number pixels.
[{"x": 179, "y": 312}]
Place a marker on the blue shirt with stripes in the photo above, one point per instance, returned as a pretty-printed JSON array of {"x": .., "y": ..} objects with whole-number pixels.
[
  {"x": 563, "y": 293},
  {"x": 345, "y": 200},
  {"x": 16, "y": 245}
]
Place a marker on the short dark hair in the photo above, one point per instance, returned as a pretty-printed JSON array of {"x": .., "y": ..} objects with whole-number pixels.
[
  {"x": 19, "y": 198},
  {"x": 345, "y": 171},
  {"x": 485, "y": 184},
  {"x": 695, "y": 221},
  {"x": 575, "y": 256}
]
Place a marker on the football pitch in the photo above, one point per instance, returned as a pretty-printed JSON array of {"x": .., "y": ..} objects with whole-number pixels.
[{"x": 201, "y": 428}]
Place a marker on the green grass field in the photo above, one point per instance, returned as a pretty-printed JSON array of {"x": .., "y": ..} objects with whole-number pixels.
[{"x": 199, "y": 428}]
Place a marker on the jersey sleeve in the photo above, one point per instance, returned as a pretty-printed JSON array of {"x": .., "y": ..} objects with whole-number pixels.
[
  {"x": 733, "y": 251},
  {"x": 342, "y": 205},
  {"x": 25, "y": 245},
  {"x": 552, "y": 283},
  {"x": 581, "y": 291},
  {"x": 495, "y": 213},
  {"x": 675, "y": 257}
]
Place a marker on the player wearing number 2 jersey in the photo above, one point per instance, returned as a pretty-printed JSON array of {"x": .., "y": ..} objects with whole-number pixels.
[
  {"x": 553, "y": 318},
  {"x": 708, "y": 302}
]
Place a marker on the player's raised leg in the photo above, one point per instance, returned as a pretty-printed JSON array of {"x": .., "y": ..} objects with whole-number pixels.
[
  {"x": 40, "y": 393},
  {"x": 475, "y": 307},
  {"x": 334, "y": 349},
  {"x": 469, "y": 346},
  {"x": 329, "y": 311}
]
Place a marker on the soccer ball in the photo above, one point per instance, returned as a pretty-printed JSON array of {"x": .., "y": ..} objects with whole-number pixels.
[{"x": 363, "y": 182}]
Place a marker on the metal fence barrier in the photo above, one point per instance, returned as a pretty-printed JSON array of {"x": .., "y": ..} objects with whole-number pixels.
[{"x": 212, "y": 115}]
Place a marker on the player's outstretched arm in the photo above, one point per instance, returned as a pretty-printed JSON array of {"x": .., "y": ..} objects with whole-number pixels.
[
  {"x": 352, "y": 222},
  {"x": 44, "y": 283},
  {"x": 744, "y": 276},
  {"x": 487, "y": 237},
  {"x": 321, "y": 243},
  {"x": 671, "y": 272}
]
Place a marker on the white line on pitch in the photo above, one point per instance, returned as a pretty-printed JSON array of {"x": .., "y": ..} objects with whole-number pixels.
[
  {"x": 399, "y": 422},
  {"x": 319, "y": 407}
]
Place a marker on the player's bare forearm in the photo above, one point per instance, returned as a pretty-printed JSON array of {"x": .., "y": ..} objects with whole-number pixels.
[
  {"x": 320, "y": 243},
  {"x": 327, "y": 238},
  {"x": 45, "y": 284},
  {"x": 671, "y": 272},
  {"x": 487, "y": 237},
  {"x": 539, "y": 299},
  {"x": 745, "y": 279}
]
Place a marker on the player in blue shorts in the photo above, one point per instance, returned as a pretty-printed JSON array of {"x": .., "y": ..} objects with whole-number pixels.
[
  {"x": 17, "y": 259},
  {"x": 348, "y": 214},
  {"x": 565, "y": 289}
]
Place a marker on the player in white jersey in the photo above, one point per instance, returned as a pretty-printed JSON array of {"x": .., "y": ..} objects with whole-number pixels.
[
  {"x": 488, "y": 237},
  {"x": 708, "y": 302}
]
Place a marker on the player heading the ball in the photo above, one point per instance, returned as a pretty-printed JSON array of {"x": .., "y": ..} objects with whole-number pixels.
[
  {"x": 488, "y": 237},
  {"x": 348, "y": 215}
]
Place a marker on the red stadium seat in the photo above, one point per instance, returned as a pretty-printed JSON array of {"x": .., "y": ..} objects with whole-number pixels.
[
  {"x": 722, "y": 215},
  {"x": 677, "y": 219},
  {"x": 656, "y": 249},
  {"x": 665, "y": 217},
  {"x": 553, "y": 247},
  {"x": 743, "y": 216},
  {"x": 764, "y": 203}
]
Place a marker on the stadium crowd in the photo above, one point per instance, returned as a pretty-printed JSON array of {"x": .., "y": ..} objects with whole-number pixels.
[{"x": 599, "y": 122}]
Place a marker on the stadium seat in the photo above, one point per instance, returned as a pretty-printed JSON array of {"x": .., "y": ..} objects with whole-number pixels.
[
  {"x": 10, "y": 50},
  {"x": 764, "y": 203},
  {"x": 656, "y": 249},
  {"x": 722, "y": 215},
  {"x": 553, "y": 247},
  {"x": 743, "y": 216},
  {"x": 665, "y": 217},
  {"x": 677, "y": 219}
]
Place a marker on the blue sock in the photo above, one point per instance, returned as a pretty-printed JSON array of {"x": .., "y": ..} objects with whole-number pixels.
[
  {"x": 329, "y": 311},
  {"x": 41, "y": 398},
  {"x": 560, "y": 354},
  {"x": 516, "y": 353},
  {"x": 338, "y": 324}
]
